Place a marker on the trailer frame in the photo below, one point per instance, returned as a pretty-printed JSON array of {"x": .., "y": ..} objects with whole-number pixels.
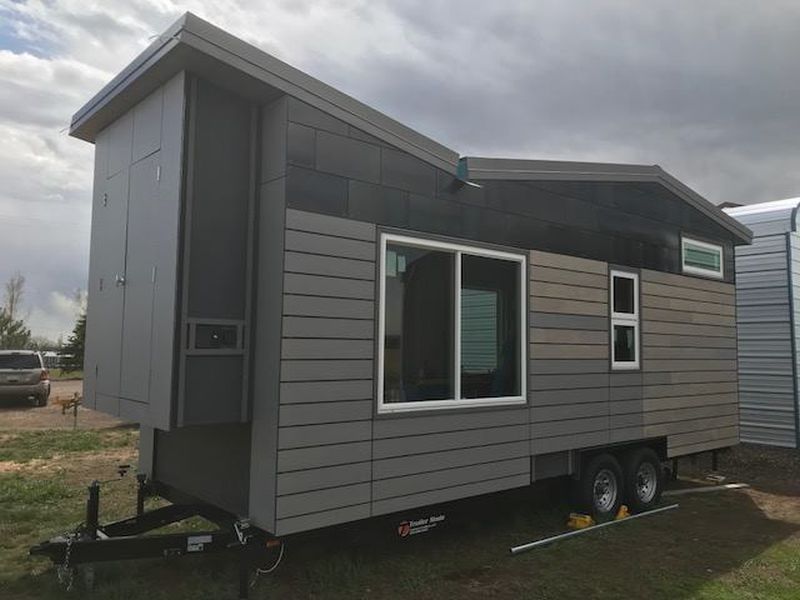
[{"x": 93, "y": 542}]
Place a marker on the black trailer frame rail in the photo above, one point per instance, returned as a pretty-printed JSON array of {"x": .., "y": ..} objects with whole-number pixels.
[{"x": 124, "y": 540}]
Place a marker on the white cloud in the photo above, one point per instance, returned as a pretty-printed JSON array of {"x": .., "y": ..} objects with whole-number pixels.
[
  {"x": 708, "y": 90},
  {"x": 50, "y": 318}
]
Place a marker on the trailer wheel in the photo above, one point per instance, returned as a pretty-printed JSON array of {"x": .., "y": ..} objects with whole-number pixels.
[
  {"x": 600, "y": 487},
  {"x": 644, "y": 479}
]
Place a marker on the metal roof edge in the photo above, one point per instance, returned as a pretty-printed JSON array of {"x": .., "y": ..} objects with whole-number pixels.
[
  {"x": 483, "y": 168},
  {"x": 705, "y": 206},
  {"x": 197, "y": 34},
  {"x": 140, "y": 63}
]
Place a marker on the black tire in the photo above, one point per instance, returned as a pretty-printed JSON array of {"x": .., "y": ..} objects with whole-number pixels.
[
  {"x": 600, "y": 488},
  {"x": 644, "y": 479}
]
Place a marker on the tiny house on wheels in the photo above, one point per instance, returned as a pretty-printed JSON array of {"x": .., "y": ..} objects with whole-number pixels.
[
  {"x": 319, "y": 315},
  {"x": 767, "y": 304}
]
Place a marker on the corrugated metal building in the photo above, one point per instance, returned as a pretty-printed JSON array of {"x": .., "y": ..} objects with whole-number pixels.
[{"x": 767, "y": 295}]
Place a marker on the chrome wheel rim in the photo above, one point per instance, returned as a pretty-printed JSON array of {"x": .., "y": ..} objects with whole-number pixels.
[
  {"x": 605, "y": 490},
  {"x": 646, "y": 482}
]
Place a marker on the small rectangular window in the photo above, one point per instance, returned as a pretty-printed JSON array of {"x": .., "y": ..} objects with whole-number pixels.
[
  {"x": 452, "y": 325},
  {"x": 624, "y": 320},
  {"x": 701, "y": 258}
]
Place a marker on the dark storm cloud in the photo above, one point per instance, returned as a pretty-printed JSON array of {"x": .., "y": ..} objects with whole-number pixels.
[{"x": 708, "y": 90}]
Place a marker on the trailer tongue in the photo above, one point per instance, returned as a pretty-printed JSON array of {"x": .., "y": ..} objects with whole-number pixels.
[{"x": 92, "y": 542}]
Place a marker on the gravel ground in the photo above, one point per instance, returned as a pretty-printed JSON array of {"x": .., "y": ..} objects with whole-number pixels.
[{"x": 21, "y": 416}]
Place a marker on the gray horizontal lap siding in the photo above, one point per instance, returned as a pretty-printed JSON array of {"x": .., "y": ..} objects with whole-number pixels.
[
  {"x": 326, "y": 372},
  {"x": 689, "y": 362},
  {"x": 337, "y": 461},
  {"x": 568, "y": 358}
]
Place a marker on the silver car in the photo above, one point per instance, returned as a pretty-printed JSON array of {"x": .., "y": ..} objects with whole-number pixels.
[{"x": 23, "y": 376}]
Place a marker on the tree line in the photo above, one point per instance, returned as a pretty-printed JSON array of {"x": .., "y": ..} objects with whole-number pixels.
[{"x": 16, "y": 335}]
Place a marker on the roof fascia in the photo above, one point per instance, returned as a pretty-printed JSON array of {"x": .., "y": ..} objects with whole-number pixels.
[{"x": 533, "y": 170}]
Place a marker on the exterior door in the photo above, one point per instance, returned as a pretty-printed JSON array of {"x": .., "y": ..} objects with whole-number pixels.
[
  {"x": 106, "y": 291},
  {"x": 140, "y": 278}
]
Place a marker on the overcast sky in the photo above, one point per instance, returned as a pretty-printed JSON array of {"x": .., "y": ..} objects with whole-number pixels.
[{"x": 708, "y": 90}]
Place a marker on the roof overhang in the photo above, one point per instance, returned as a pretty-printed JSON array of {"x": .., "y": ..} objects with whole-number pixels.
[
  {"x": 194, "y": 45},
  {"x": 487, "y": 169}
]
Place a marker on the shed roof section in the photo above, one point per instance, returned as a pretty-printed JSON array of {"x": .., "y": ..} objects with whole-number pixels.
[
  {"x": 194, "y": 45},
  {"x": 486, "y": 169},
  {"x": 768, "y": 218}
]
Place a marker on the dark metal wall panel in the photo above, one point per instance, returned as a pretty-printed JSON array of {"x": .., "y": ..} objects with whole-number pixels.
[
  {"x": 217, "y": 233},
  {"x": 209, "y": 463},
  {"x": 334, "y": 169},
  {"x": 217, "y": 253}
]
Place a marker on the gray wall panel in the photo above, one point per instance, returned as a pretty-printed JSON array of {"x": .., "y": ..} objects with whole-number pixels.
[
  {"x": 765, "y": 350},
  {"x": 326, "y": 477},
  {"x": 473, "y": 489},
  {"x": 322, "y": 519},
  {"x": 690, "y": 389},
  {"x": 312, "y": 502},
  {"x": 267, "y": 326},
  {"x": 423, "y": 482},
  {"x": 329, "y": 433},
  {"x": 135, "y": 224},
  {"x": 327, "y": 364}
]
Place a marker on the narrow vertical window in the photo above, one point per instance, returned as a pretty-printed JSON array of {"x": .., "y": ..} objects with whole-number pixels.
[
  {"x": 624, "y": 320},
  {"x": 452, "y": 325}
]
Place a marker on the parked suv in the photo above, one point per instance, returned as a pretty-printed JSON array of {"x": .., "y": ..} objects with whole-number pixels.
[{"x": 23, "y": 376}]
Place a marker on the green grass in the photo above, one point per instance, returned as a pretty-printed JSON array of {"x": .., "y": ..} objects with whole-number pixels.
[
  {"x": 61, "y": 374},
  {"x": 715, "y": 547},
  {"x": 28, "y": 445}
]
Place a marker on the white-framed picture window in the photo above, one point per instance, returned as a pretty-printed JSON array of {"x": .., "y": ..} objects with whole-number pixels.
[
  {"x": 452, "y": 326},
  {"x": 701, "y": 258},
  {"x": 625, "y": 351}
]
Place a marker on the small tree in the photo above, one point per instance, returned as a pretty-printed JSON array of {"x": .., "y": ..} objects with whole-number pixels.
[
  {"x": 74, "y": 348},
  {"x": 13, "y": 333},
  {"x": 15, "y": 288}
]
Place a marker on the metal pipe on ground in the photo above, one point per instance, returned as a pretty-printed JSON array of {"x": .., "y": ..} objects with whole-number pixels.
[
  {"x": 549, "y": 540},
  {"x": 707, "y": 488}
]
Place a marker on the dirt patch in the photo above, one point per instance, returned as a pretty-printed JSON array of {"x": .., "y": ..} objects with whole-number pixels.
[
  {"x": 21, "y": 416},
  {"x": 75, "y": 468},
  {"x": 767, "y": 469}
]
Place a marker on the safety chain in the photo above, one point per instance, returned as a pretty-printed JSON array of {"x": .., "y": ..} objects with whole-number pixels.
[{"x": 66, "y": 574}]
